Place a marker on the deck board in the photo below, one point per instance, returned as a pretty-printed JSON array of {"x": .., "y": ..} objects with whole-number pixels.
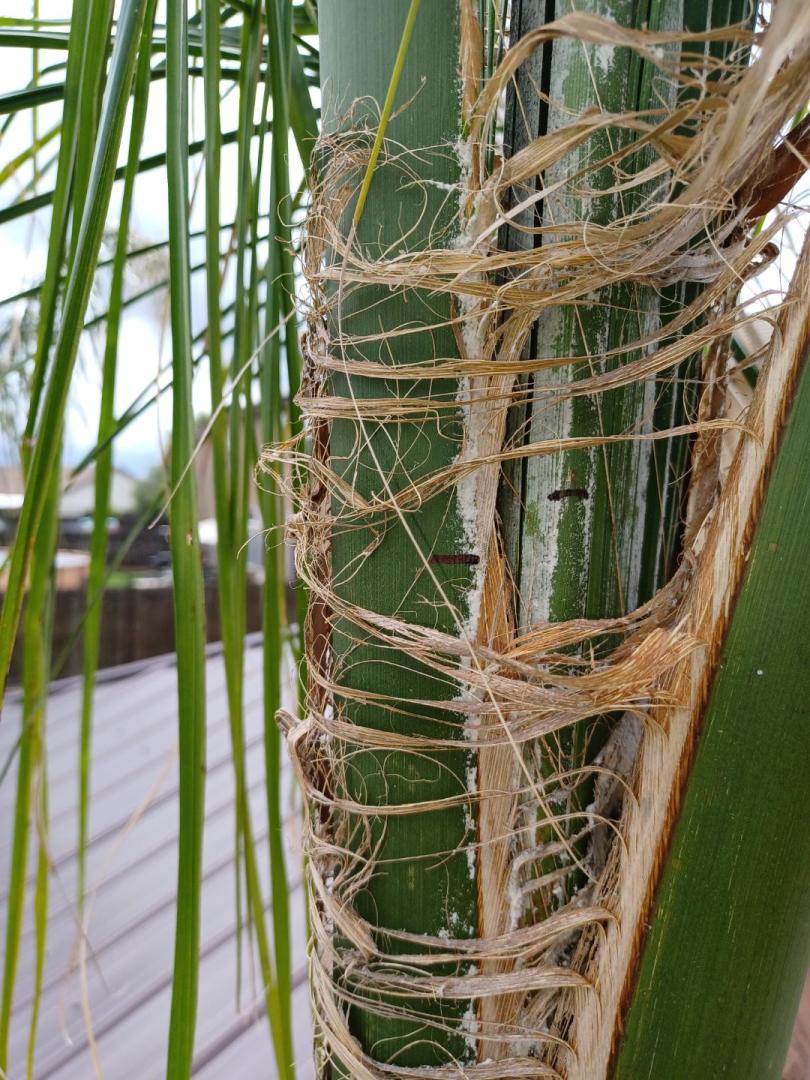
[
  {"x": 248, "y": 1049},
  {"x": 144, "y": 727},
  {"x": 132, "y": 852}
]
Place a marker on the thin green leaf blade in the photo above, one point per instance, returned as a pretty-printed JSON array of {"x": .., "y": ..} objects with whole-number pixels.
[
  {"x": 103, "y": 473},
  {"x": 35, "y": 647},
  {"x": 189, "y": 604}
]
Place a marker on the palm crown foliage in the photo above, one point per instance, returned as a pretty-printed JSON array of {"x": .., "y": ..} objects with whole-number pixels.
[{"x": 217, "y": 101}]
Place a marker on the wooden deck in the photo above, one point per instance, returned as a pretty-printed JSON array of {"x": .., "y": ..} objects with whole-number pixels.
[{"x": 131, "y": 874}]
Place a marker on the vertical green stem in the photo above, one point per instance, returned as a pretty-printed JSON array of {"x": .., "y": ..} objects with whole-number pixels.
[
  {"x": 189, "y": 606},
  {"x": 68, "y": 136},
  {"x": 99, "y": 23},
  {"x": 280, "y": 291},
  {"x": 103, "y": 468},
  {"x": 40, "y": 901},
  {"x": 281, "y": 51},
  {"x": 35, "y": 646}
]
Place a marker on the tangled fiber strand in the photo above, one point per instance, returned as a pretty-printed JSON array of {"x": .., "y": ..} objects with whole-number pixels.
[{"x": 544, "y": 992}]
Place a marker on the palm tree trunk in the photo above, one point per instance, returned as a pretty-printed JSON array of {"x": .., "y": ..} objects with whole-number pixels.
[
  {"x": 581, "y": 528},
  {"x": 413, "y": 872},
  {"x": 415, "y": 840}
]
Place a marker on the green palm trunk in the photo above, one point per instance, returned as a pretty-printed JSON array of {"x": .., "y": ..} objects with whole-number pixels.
[
  {"x": 422, "y": 882},
  {"x": 593, "y": 533},
  {"x": 590, "y": 533},
  {"x": 579, "y": 523}
]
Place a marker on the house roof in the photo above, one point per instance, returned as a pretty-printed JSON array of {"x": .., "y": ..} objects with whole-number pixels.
[{"x": 78, "y": 494}]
